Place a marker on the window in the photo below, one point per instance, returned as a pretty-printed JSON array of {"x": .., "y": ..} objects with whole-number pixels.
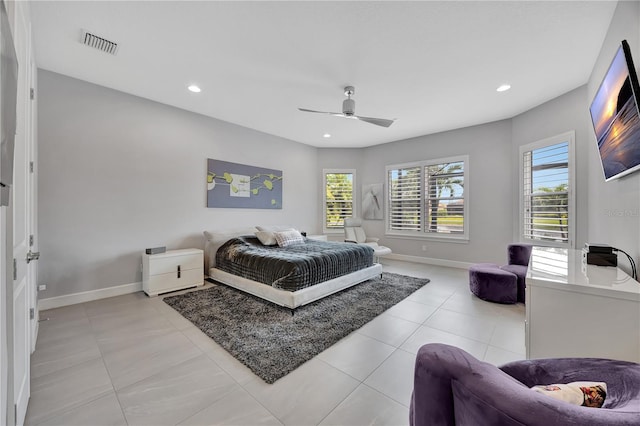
[
  {"x": 405, "y": 202},
  {"x": 339, "y": 194},
  {"x": 428, "y": 198},
  {"x": 546, "y": 213}
]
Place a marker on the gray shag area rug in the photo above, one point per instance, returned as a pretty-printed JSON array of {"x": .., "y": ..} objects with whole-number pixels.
[{"x": 270, "y": 340}]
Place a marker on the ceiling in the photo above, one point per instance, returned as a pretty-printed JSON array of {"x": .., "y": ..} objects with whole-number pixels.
[{"x": 434, "y": 66}]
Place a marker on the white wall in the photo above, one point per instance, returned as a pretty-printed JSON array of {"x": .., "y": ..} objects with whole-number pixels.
[
  {"x": 560, "y": 115},
  {"x": 614, "y": 207},
  {"x": 120, "y": 173},
  {"x": 490, "y": 194}
]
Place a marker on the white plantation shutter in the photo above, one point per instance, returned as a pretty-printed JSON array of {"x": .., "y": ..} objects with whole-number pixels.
[
  {"x": 427, "y": 198},
  {"x": 338, "y": 198},
  {"x": 547, "y": 203},
  {"x": 444, "y": 204},
  {"x": 405, "y": 202}
]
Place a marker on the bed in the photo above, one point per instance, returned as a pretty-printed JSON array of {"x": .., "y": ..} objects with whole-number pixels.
[{"x": 299, "y": 274}]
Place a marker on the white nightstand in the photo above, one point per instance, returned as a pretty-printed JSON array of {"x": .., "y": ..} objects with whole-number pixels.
[
  {"x": 317, "y": 237},
  {"x": 172, "y": 270}
]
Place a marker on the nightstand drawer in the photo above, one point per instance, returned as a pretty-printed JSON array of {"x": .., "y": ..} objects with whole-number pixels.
[
  {"x": 167, "y": 282},
  {"x": 167, "y": 264}
]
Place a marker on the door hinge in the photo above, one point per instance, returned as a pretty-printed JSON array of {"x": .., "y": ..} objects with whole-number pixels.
[
  {"x": 32, "y": 313},
  {"x": 31, "y": 240},
  {"x": 32, "y": 93},
  {"x": 31, "y": 166},
  {"x": 15, "y": 270}
]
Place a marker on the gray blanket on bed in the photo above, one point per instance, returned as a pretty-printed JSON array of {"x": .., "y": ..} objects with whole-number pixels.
[{"x": 293, "y": 267}]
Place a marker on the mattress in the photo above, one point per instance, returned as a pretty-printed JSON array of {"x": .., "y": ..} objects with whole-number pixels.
[{"x": 293, "y": 267}]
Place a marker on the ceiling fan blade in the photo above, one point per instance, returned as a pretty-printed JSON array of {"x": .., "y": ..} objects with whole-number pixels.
[
  {"x": 319, "y": 112},
  {"x": 377, "y": 121}
]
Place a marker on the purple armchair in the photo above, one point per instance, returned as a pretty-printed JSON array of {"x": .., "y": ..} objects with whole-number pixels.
[
  {"x": 518, "y": 262},
  {"x": 452, "y": 387},
  {"x": 502, "y": 284}
]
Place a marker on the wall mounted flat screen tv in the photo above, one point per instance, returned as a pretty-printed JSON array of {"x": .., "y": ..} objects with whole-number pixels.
[{"x": 615, "y": 117}]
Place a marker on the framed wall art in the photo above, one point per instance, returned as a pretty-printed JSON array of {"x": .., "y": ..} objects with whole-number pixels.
[
  {"x": 372, "y": 201},
  {"x": 233, "y": 185}
]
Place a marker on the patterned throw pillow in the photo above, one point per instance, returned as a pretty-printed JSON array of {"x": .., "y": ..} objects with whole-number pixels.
[
  {"x": 288, "y": 238},
  {"x": 588, "y": 394}
]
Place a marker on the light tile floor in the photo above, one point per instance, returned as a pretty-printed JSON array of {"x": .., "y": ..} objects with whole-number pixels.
[{"x": 134, "y": 360}]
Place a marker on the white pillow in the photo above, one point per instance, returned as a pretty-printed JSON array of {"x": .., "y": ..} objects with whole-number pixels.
[
  {"x": 288, "y": 238},
  {"x": 589, "y": 394},
  {"x": 266, "y": 238}
]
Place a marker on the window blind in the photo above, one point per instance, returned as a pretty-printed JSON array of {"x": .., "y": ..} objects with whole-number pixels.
[
  {"x": 339, "y": 199},
  {"x": 546, "y": 193},
  {"x": 444, "y": 198},
  {"x": 405, "y": 201}
]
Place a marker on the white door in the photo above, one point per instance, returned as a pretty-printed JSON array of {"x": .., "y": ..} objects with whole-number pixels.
[
  {"x": 32, "y": 192},
  {"x": 22, "y": 218}
]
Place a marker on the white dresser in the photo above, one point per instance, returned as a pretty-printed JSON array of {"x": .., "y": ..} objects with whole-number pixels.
[
  {"x": 172, "y": 270},
  {"x": 579, "y": 310}
]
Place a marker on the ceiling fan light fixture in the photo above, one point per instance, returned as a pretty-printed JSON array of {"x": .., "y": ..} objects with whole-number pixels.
[
  {"x": 349, "y": 109},
  {"x": 503, "y": 88}
]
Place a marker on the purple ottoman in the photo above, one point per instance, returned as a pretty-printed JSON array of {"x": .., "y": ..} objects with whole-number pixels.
[{"x": 489, "y": 282}]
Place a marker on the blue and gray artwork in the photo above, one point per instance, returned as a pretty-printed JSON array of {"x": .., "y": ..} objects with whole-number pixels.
[{"x": 233, "y": 185}]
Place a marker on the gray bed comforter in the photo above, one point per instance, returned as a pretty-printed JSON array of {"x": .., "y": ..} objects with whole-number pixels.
[{"x": 293, "y": 267}]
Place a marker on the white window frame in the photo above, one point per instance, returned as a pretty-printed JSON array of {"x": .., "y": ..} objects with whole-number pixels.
[
  {"x": 325, "y": 172},
  {"x": 460, "y": 237},
  {"x": 553, "y": 140}
]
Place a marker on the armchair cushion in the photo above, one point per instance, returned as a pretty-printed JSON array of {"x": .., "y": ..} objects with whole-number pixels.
[
  {"x": 355, "y": 235},
  {"x": 519, "y": 254},
  {"x": 361, "y": 237}
]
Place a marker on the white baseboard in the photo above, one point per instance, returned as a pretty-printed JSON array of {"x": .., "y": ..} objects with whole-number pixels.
[
  {"x": 429, "y": 260},
  {"x": 103, "y": 293},
  {"x": 88, "y": 296}
]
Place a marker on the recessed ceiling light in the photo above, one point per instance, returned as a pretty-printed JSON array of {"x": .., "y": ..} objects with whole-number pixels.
[
  {"x": 194, "y": 88},
  {"x": 503, "y": 88},
  {"x": 326, "y": 135}
]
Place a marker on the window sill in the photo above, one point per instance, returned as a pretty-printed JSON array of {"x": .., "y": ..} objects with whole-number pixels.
[
  {"x": 455, "y": 240},
  {"x": 547, "y": 243}
]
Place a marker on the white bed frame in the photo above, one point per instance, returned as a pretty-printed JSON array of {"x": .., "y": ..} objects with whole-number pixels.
[
  {"x": 289, "y": 299},
  {"x": 294, "y": 299}
]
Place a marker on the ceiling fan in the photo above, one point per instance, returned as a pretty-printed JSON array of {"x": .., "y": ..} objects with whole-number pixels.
[{"x": 348, "y": 110}]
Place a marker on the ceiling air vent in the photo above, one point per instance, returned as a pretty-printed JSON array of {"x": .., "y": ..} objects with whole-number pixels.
[{"x": 99, "y": 43}]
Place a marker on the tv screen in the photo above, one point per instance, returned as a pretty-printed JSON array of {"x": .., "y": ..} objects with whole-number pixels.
[{"x": 615, "y": 116}]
